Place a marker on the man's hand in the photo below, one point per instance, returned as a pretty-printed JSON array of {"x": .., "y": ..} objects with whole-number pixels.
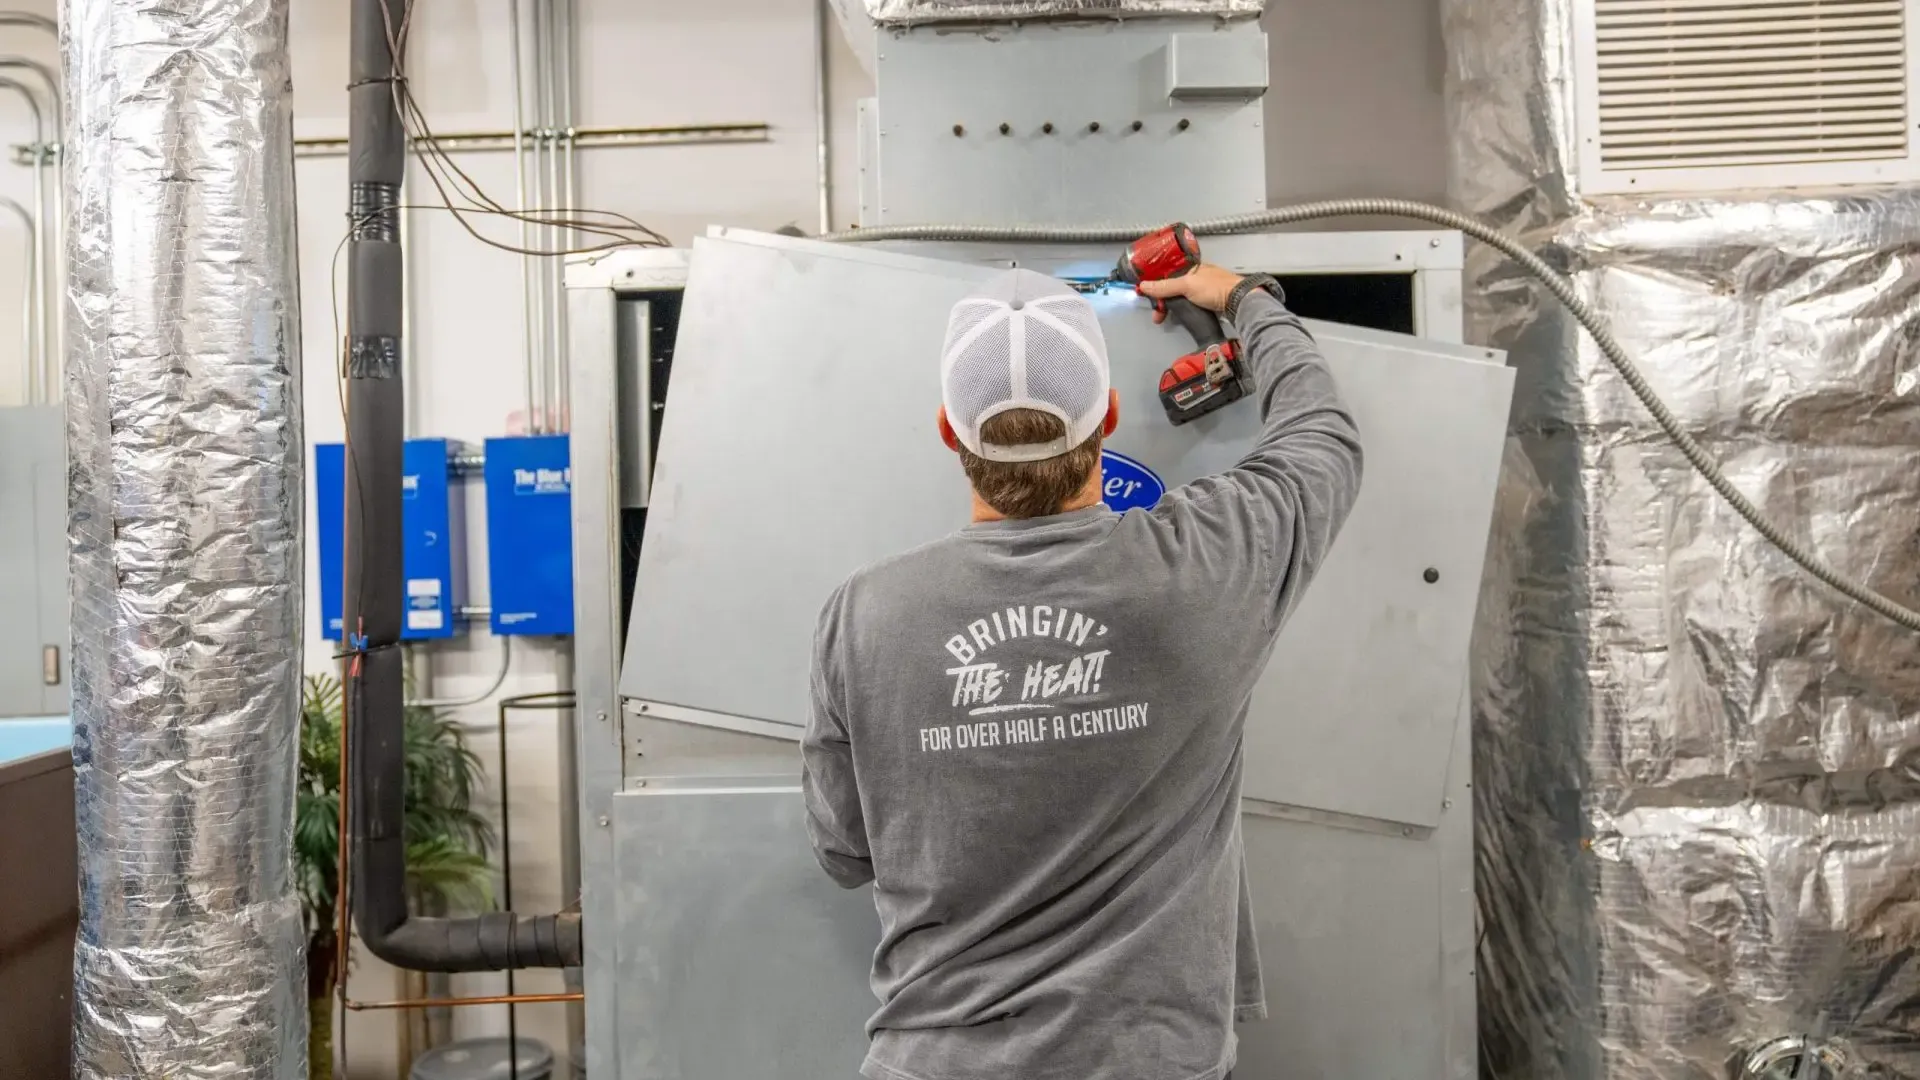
[{"x": 1206, "y": 285}]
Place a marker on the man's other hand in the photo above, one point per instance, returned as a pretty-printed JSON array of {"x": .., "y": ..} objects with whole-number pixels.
[{"x": 1206, "y": 285}]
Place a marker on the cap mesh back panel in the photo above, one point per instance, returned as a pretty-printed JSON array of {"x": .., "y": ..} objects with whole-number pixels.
[
  {"x": 1078, "y": 316},
  {"x": 982, "y": 376},
  {"x": 1059, "y": 372},
  {"x": 966, "y": 316}
]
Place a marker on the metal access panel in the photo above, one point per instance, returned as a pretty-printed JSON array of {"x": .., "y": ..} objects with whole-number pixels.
[
  {"x": 734, "y": 956},
  {"x": 432, "y": 535},
  {"x": 33, "y": 561},
  {"x": 766, "y": 497},
  {"x": 1123, "y": 120},
  {"x": 719, "y": 911}
]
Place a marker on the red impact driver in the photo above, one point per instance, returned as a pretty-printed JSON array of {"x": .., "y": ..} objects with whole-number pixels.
[{"x": 1199, "y": 382}]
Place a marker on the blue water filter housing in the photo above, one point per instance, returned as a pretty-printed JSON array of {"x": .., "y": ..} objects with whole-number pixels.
[
  {"x": 434, "y": 539},
  {"x": 530, "y": 535}
]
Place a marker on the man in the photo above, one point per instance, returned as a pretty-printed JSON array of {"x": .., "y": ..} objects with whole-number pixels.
[{"x": 1028, "y": 735}]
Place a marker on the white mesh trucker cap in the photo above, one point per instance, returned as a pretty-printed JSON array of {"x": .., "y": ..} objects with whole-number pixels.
[{"x": 1024, "y": 341}]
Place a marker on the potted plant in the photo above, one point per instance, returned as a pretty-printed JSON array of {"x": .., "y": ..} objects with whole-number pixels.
[{"x": 447, "y": 842}]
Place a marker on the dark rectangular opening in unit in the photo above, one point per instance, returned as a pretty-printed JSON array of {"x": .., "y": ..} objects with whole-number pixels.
[
  {"x": 1375, "y": 301},
  {"x": 663, "y": 327}
]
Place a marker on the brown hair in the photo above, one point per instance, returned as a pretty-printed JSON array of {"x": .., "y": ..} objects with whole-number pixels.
[{"x": 1029, "y": 489}]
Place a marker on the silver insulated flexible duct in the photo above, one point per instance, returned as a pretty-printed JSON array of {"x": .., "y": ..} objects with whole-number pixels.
[
  {"x": 1698, "y": 808},
  {"x": 183, "y": 404}
]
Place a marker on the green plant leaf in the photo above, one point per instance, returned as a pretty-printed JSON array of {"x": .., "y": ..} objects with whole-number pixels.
[{"x": 447, "y": 841}]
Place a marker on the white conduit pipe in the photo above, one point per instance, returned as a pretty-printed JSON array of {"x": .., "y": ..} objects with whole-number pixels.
[
  {"x": 37, "y": 358},
  {"x": 566, "y": 56},
  {"x": 499, "y": 680},
  {"x": 527, "y": 330},
  {"x": 49, "y": 257},
  {"x": 552, "y": 234},
  {"x": 26, "y": 292},
  {"x": 49, "y": 208}
]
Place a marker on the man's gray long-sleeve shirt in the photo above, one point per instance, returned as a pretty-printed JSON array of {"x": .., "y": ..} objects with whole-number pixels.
[{"x": 1027, "y": 735}]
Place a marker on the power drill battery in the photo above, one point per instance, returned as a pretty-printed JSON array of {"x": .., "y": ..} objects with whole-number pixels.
[{"x": 1199, "y": 382}]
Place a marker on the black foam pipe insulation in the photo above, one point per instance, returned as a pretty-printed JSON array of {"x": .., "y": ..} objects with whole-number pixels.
[{"x": 375, "y": 601}]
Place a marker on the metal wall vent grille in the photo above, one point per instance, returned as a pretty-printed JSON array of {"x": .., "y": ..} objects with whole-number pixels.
[{"x": 1689, "y": 94}]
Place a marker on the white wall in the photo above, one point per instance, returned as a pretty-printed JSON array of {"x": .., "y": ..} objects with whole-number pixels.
[{"x": 1355, "y": 108}]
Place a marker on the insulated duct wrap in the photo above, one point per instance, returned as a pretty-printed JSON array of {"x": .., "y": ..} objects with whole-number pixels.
[
  {"x": 185, "y": 447},
  {"x": 911, "y": 12},
  {"x": 861, "y": 20},
  {"x": 1699, "y": 816}
]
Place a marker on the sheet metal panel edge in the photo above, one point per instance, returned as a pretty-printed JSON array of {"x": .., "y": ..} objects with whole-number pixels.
[
  {"x": 735, "y": 956},
  {"x": 756, "y": 520}
]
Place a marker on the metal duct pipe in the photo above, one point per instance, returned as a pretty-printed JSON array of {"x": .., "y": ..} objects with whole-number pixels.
[
  {"x": 1699, "y": 830},
  {"x": 375, "y": 597},
  {"x": 185, "y": 467}
]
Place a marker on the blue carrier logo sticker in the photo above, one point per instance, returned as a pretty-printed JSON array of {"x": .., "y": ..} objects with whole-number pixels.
[{"x": 1127, "y": 484}]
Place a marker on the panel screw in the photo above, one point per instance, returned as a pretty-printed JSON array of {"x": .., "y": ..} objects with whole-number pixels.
[
  {"x": 1446, "y": 804},
  {"x": 1137, "y": 125},
  {"x": 1006, "y": 129},
  {"x": 1431, "y": 575},
  {"x": 1434, "y": 243},
  {"x": 1047, "y": 127},
  {"x": 603, "y": 821},
  {"x": 958, "y": 130},
  {"x": 1184, "y": 124},
  {"x": 602, "y": 717},
  {"x": 1095, "y": 126},
  {"x": 1406, "y": 832}
]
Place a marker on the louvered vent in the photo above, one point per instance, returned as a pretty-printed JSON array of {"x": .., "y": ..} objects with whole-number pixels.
[{"x": 1685, "y": 94}]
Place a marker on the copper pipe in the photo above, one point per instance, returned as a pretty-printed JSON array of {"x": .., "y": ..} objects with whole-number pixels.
[
  {"x": 342, "y": 943},
  {"x": 432, "y": 1003}
]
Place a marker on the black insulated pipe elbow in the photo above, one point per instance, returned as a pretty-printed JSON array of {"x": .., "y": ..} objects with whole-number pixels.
[
  {"x": 491, "y": 942},
  {"x": 375, "y": 601}
]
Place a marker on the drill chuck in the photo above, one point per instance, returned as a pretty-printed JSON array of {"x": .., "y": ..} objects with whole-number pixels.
[{"x": 1163, "y": 253}]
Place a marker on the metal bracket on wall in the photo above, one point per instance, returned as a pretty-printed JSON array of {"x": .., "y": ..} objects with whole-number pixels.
[{"x": 31, "y": 154}]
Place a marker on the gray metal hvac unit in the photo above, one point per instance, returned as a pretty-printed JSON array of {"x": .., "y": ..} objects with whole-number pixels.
[
  {"x": 703, "y": 902},
  {"x": 719, "y": 496}
]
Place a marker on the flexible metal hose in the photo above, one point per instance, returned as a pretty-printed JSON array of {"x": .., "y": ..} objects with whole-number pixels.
[{"x": 1558, "y": 285}]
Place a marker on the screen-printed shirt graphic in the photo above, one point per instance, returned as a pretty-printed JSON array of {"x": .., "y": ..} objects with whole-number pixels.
[
  {"x": 1027, "y": 736},
  {"x": 985, "y": 688}
]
